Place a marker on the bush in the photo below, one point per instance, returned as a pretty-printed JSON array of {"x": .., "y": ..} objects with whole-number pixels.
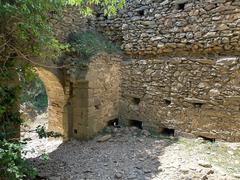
[
  {"x": 12, "y": 165},
  {"x": 87, "y": 44}
]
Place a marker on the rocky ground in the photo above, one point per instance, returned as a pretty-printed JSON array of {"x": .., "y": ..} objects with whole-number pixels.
[{"x": 131, "y": 153}]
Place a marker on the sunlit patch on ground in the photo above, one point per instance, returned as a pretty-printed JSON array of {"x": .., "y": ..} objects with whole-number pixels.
[{"x": 36, "y": 146}]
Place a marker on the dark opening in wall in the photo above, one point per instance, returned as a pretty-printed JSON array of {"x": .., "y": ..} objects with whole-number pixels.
[
  {"x": 181, "y": 5},
  {"x": 197, "y": 105},
  {"x": 167, "y": 102},
  {"x": 208, "y": 139},
  {"x": 136, "y": 123},
  {"x": 135, "y": 100},
  {"x": 75, "y": 131},
  {"x": 141, "y": 12},
  {"x": 167, "y": 131},
  {"x": 113, "y": 122},
  {"x": 97, "y": 107}
]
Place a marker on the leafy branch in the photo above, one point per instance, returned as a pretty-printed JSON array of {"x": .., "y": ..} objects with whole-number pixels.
[{"x": 25, "y": 32}]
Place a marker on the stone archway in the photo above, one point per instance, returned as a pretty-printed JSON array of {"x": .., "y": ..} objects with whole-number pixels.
[
  {"x": 53, "y": 82},
  {"x": 83, "y": 106}
]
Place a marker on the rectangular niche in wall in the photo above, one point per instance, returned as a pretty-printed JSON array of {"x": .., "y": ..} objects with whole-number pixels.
[
  {"x": 167, "y": 101},
  {"x": 141, "y": 12},
  {"x": 197, "y": 103},
  {"x": 135, "y": 123},
  {"x": 180, "y": 4},
  {"x": 113, "y": 122},
  {"x": 207, "y": 138},
  {"x": 167, "y": 131},
  {"x": 135, "y": 100}
]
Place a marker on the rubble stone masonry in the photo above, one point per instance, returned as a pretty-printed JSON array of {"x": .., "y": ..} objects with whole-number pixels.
[
  {"x": 194, "y": 96},
  {"x": 150, "y": 27},
  {"x": 181, "y": 70}
]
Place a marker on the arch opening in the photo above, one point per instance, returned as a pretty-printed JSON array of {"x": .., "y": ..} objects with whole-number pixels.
[{"x": 42, "y": 107}]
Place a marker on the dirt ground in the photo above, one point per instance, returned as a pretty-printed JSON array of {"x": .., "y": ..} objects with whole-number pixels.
[{"x": 132, "y": 153}]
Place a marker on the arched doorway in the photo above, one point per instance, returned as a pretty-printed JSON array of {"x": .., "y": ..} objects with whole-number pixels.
[
  {"x": 56, "y": 99},
  {"x": 48, "y": 91}
]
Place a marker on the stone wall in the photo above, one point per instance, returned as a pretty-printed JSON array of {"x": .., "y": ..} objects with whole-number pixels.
[
  {"x": 70, "y": 21},
  {"x": 84, "y": 96},
  {"x": 186, "y": 72},
  {"x": 180, "y": 27},
  {"x": 190, "y": 95},
  {"x": 195, "y": 90},
  {"x": 95, "y": 86},
  {"x": 104, "y": 90}
]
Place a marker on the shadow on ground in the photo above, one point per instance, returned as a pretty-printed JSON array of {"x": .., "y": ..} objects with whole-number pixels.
[{"x": 129, "y": 154}]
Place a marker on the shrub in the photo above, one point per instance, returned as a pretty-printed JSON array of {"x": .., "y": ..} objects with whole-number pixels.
[{"x": 89, "y": 43}]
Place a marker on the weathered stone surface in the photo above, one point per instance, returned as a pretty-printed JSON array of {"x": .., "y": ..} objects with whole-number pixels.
[
  {"x": 236, "y": 175},
  {"x": 189, "y": 96},
  {"x": 56, "y": 99},
  {"x": 95, "y": 94},
  {"x": 194, "y": 100},
  {"x": 164, "y": 27},
  {"x": 205, "y": 164},
  {"x": 104, "y": 138},
  {"x": 82, "y": 100}
]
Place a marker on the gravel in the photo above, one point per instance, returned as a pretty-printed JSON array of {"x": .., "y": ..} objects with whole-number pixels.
[{"x": 132, "y": 154}]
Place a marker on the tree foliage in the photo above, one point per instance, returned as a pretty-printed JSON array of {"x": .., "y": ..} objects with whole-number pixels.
[
  {"x": 25, "y": 30},
  {"x": 26, "y": 37}
]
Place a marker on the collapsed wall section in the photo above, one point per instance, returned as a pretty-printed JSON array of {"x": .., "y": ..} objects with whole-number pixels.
[{"x": 195, "y": 96}]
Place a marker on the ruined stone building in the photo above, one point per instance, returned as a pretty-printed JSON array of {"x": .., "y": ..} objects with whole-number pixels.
[{"x": 180, "y": 72}]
